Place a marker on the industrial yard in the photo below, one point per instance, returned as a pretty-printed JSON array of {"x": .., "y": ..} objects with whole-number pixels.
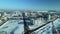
[{"x": 40, "y": 22}]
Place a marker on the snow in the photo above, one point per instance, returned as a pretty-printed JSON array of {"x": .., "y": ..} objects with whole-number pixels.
[
  {"x": 48, "y": 29},
  {"x": 44, "y": 30},
  {"x": 12, "y": 27}
]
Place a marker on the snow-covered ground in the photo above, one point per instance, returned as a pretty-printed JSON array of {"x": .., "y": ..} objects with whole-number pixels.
[
  {"x": 57, "y": 25},
  {"x": 12, "y": 27},
  {"x": 47, "y": 29}
]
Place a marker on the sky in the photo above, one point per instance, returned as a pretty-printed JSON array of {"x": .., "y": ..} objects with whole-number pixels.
[{"x": 30, "y": 4}]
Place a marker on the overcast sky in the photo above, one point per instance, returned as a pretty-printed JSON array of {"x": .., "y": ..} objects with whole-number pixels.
[{"x": 30, "y": 4}]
